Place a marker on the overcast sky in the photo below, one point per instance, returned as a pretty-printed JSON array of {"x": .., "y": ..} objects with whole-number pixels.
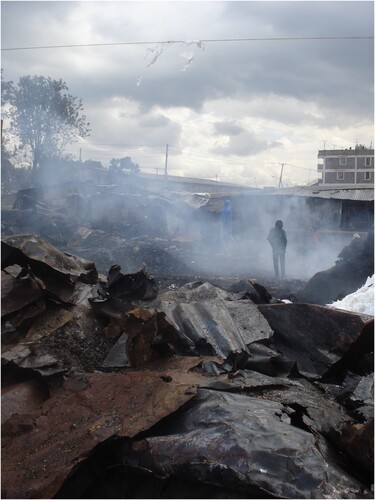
[{"x": 230, "y": 109}]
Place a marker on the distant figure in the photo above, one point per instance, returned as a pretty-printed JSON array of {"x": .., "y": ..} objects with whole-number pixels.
[
  {"x": 278, "y": 242},
  {"x": 316, "y": 236},
  {"x": 226, "y": 221}
]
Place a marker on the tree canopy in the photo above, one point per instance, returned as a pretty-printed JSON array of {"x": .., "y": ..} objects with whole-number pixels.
[
  {"x": 125, "y": 163},
  {"x": 43, "y": 116}
]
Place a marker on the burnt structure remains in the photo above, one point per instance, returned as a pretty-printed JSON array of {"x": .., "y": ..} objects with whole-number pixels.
[{"x": 143, "y": 358}]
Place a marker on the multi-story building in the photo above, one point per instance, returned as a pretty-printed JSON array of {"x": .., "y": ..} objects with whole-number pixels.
[{"x": 347, "y": 166}]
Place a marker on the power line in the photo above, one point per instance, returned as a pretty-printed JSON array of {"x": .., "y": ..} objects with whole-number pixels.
[
  {"x": 172, "y": 42},
  {"x": 194, "y": 156},
  {"x": 297, "y": 166}
]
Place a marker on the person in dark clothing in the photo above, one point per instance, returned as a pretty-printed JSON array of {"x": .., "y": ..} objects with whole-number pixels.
[{"x": 278, "y": 241}]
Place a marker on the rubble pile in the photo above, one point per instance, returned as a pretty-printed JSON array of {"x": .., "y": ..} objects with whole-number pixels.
[
  {"x": 115, "y": 388},
  {"x": 355, "y": 263},
  {"x": 133, "y": 230}
]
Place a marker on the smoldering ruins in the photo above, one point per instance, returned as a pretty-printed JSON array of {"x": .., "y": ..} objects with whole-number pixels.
[{"x": 143, "y": 357}]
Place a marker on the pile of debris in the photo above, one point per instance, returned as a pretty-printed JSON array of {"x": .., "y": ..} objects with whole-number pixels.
[
  {"x": 355, "y": 263},
  {"x": 112, "y": 388}
]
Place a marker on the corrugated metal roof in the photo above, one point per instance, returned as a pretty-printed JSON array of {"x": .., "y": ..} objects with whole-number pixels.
[
  {"x": 340, "y": 193},
  {"x": 192, "y": 180}
]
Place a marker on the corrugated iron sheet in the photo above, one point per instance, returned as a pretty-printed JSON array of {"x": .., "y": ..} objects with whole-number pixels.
[{"x": 364, "y": 194}]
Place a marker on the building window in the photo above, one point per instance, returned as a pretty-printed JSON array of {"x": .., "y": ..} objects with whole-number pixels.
[
  {"x": 368, "y": 161},
  {"x": 342, "y": 160},
  {"x": 340, "y": 176},
  {"x": 367, "y": 175}
]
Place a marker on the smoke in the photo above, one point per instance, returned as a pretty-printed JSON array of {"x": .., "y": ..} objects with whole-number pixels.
[
  {"x": 313, "y": 244},
  {"x": 186, "y": 227},
  {"x": 192, "y": 224}
]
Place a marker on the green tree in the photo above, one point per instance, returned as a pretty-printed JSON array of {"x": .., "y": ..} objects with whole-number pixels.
[
  {"x": 44, "y": 117},
  {"x": 122, "y": 164}
]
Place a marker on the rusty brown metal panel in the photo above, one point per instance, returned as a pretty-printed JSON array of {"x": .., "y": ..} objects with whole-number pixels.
[
  {"x": 21, "y": 398},
  {"x": 315, "y": 337},
  {"x": 17, "y": 293},
  {"x": 48, "y": 444},
  {"x": 34, "y": 248}
]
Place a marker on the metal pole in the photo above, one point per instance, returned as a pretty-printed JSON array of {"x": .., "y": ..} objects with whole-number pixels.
[
  {"x": 281, "y": 176},
  {"x": 166, "y": 162}
]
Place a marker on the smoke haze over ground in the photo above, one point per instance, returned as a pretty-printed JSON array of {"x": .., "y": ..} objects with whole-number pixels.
[
  {"x": 176, "y": 233},
  {"x": 309, "y": 249}
]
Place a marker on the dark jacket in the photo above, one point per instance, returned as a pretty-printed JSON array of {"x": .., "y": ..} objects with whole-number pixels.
[{"x": 277, "y": 239}]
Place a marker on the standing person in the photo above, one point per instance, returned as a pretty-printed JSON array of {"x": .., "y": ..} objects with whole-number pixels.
[
  {"x": 226, "y": 221},
  {"x": 278, "y": 242}
]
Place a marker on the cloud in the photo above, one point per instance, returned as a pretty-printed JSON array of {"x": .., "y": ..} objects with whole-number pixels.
[
  {"x": 239, "y": 141},
  {"x": 262, "y": 100},
  {"x": 228, "y": 128}
]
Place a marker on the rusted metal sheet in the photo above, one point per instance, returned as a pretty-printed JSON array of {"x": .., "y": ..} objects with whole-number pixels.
[
  {"x": 131, "y": 286},
  {"x": 18, "y": 291},
  {"x": 225, "y": 439},
  {"x": 21, "y": 398},
  {"x": 58, "y": 271},
  {"x": 113, "y": 300},
  {"x": 208, "y": 327},
  {"x": 194, "y": 370},
  {"x": 142, "y": 336},
  {"x": 22, "y": 298},
  {"x": 51, "y": 320},
  {"x": 109, "y": 307},
  {"x": 357, "y": 440},
  {"x": 57, "y": 339},
  {"x": 211, "y": 321},
  {"x": 34, "y": 249},
  {"x": 87, "y": 411},
  {"x": 185, "y": 369},
  {"x": 142, "y": 344},
  {"x": 317, "y": 337},
  {"x": 14, "y": 326},
  {"x": 250, "y": 323}
]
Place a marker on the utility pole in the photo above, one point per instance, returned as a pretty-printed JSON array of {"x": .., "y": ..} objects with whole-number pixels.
[
  {"x": 166, "y": 162},
  {"x": 281, "y": 175}
]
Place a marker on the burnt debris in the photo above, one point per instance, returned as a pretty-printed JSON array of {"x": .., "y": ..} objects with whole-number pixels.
[
  {"x": 353, "y": 265},
  {"x": 143, "y": 357},
  {"x": 115, "y": 387}
]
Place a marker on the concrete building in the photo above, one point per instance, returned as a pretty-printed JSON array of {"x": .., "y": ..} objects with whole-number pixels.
[{"x": 347, "y": 166}]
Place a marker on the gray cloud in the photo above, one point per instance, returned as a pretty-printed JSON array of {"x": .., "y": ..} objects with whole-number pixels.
[
  {"x": 314, "y": 84},
  {"x": 241, "y": 142},
  {"x": 228, "y": 128},
  {"x": 303, "y": 69}
]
